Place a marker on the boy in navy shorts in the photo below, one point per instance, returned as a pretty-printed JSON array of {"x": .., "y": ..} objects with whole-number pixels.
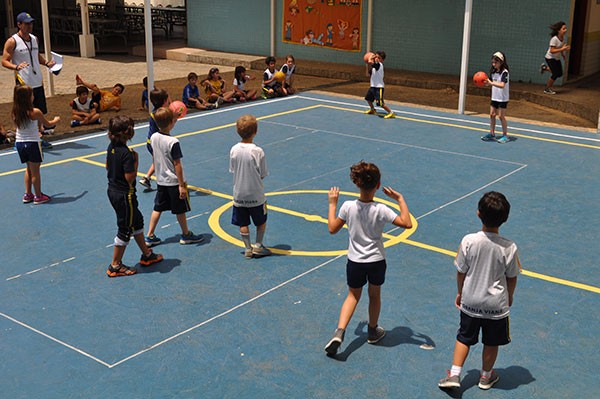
[
  {"x": 488, "y": 265},
  {"x": 249, "y": 167},
  {"x": 366, "y": 256},
  {"x": 172, "y": 192},
  {"x": 121, "y": 167},
  {"x": 375, "y": 93}
]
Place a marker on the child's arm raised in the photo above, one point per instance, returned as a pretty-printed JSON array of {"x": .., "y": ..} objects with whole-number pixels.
[
  {"x": 334, "y": 223},
  {"x": 402, "y": 220}
]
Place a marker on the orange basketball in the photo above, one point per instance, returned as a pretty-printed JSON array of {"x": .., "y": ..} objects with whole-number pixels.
[
  {"x": 178, "y": 108},
  {"x": 480, "y": 78},
  {"x": 368, "y": 56}
]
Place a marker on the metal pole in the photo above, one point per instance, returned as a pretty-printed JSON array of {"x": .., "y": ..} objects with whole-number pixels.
[
  {"x": 370, "y": 25},
  {"x": 149, "y": 47},
  {"x": 273, "y": 27},
  {"x": 47, "y": 47},
  {"x": 464, "y": 65}
]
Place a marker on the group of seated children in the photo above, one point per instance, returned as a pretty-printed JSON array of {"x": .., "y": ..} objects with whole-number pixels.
[
  {"x": 86, "y": 109},
  {"x": 273, "y": 87}
]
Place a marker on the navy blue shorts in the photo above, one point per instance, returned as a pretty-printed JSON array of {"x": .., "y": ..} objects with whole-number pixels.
[
  {"x": 493, "y": 332},
  {"x": 30, "y": 151},
  {"x": 241, "y": 215},
  {"x": 375, "y": 94},
  {"x": 357, "y": 274},
  {"x": 167, "y": 199},
  {"x": 499, "y": 104}
]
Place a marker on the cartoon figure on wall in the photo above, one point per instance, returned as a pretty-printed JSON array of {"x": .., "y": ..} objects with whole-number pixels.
[
  {"x": 355, "y": 35},
  {"x": 322, "y": 22},
  {"x": 329, "y": 40},
  {"x": 293, "y": 8},
  {"x": 342, "y": 26},
  {"x": 288, "y": 29}
]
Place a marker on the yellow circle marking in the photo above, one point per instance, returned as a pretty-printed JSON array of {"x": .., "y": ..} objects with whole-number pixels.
[{"x": 213, "y": 222}]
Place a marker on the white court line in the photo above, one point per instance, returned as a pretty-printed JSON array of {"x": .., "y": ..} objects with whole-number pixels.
[
  {"x": 460, "y": 120},
  {"x": 179, "y": 334},
  {"x": 189, "y": 218},
  {"x": 145, "y": 125},
  {"x": 58, "y": 341},
  {"x": 225, "y": 312},
  {"x": 40, "y": 269}
]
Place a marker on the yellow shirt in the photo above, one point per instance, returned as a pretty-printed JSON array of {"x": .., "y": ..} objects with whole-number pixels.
[
  {"x": 109, "y": 100},
  {"x": 217, "y": 85}
]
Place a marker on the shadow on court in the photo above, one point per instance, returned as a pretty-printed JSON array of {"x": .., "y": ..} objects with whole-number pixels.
[
  {"x": 58, "y": 199},
  {"x": 394, "y": 337},
  {"x": 510, "y": 378}
]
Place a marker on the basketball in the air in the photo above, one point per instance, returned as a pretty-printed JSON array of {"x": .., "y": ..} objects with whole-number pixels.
[
  {"x": 178, "y": 108},
  {"x": 368, "y": 56},
  {"x": 480, "y": 78}
]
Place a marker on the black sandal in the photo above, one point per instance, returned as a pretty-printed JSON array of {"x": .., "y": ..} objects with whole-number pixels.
[{"x": 120, "y": 270}]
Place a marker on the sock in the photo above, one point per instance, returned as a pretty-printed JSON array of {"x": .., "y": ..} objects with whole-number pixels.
[
  {"x": 246, "y": 240},
  {"x": 486, "y": 374},
  {"x": 260, "y": 234},
  {"x": 455, "y": 370}
]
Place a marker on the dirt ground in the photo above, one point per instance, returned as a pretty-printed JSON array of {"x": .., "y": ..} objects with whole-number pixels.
[{"x": 396, "y": 95}]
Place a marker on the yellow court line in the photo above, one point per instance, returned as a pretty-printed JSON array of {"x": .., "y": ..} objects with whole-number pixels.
[
  {"x": 392, "y": 240},
  {"x": 595, "y": 147},
  {"x": 529, "y": 273}
]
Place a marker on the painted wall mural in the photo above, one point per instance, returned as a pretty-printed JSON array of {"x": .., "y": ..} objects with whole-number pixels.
[{"x": 331, "y": 24}]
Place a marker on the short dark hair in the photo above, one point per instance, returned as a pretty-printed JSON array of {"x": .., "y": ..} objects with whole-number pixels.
[
  {"x": 246, "y": 126},
  {"x": 145, "y": 81},
  {"x": 120, "y": 86},
  {"x": 381, "y": 54},
  {"x": 163, "y": 117},
  {"x": 120, "y": 129},
  {"x": 81, "y": 89},
  {"x": 158, "y": 97},
  {"x": 365, "y": 175},
  {"x": 270, "y": 59},
  {"x": 192, "y": 75},
  {"x": 493, "y": 209}
]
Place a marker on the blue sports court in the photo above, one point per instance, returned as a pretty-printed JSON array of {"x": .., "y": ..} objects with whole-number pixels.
[{"x": 208, "y": 323}]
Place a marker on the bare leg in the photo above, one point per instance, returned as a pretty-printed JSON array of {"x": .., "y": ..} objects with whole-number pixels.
[
  {"x": 33, "y": 177},
  {"x": 492, "y": 120},
  {"x": 502, "y": 116},
  {"x": 488, "y": 357},
  {"x": 461, "y": 351},
  {"x": 349, "y": 307},
  {"x": 374, "y": 304},
  {"x": 141, "y": 243},
  {"x": 154, "y": 218},
  {"x": 181, "y": 219},
  {"x": 118, "y": 252}
]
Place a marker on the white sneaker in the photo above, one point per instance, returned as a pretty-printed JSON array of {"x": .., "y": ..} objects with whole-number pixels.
[{"x": 144, "y": 181}]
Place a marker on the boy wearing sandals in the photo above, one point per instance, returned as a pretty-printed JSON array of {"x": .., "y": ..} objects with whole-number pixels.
[{"x": 121, "y": 167}]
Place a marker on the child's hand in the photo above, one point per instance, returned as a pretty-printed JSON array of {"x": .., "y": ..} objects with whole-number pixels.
[
  {"x": 488, "y": 82},
  {"x": 390, "y": 192},
  {"x": 55, "y": 120},
  {"x": 457, "y": 300},
  {"x": 183, "y": 191},
  {"x": 334, "y": 194}
]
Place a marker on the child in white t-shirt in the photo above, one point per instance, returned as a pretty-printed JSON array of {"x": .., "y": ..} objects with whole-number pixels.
[
  {"x": 249, "y": 167},
  {"x": 366, "y": 257}
]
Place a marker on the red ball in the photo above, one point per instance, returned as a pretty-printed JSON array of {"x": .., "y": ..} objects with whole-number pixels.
[
  {"x": 178, "y": 108},
  {"x": 368, "y": 56},
  {"x": 480, "y": 78}
]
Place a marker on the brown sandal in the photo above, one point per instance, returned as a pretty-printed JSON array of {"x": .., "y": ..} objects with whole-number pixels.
[{"x": 120, "y": 270}]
